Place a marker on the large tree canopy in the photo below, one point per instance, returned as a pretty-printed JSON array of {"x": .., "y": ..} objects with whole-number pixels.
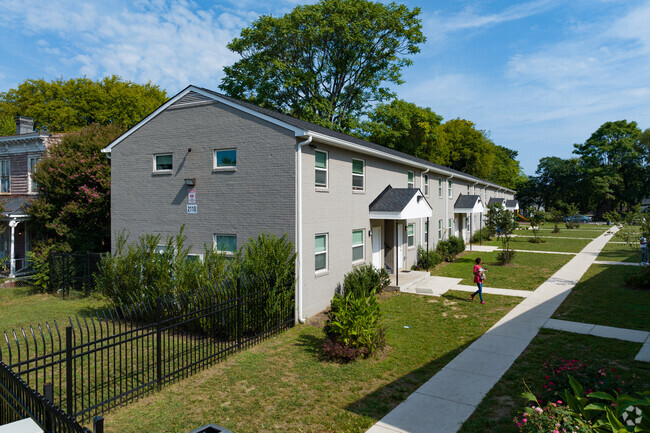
[
  {"x": 470, "y": 150},
  {"x": 326, "y": 62},
  {"x": 408, "y": 128},
  {"x": 74, "y": 180},
  {"x": 64, "y": 106}
]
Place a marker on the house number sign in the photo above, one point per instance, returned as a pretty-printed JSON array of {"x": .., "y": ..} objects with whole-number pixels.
[{"x": 192, "y": 208}]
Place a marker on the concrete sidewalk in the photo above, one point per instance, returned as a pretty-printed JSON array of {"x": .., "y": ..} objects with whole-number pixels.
[{"x": 444, "y": 402}]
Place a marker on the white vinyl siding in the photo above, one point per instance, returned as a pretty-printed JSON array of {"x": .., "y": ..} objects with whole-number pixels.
[
  {"x": 358, "y": 174},
  {"x": 358, "y": 247},
  {"x": 320, "y": 169},
  {"x": 320, "y": 252}
]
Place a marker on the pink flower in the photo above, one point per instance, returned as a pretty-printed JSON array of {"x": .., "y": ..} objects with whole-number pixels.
[
  {"x": 559, "y": 402},
  {"x": 539, "y": 409}
]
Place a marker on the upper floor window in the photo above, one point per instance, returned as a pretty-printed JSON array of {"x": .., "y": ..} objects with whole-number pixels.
[
  {"x": 357, "y": 245},
  {"x": 449, "y": 188},
  {"x": 226, "y": 158},
  {"x": 425, "y": 181},
  {"x": 5, "y": 176},
  {"x": 163, "y": 162},
  {"x": 226, "y": 244},
  {"x": 321, "y": 169},
  {"x": 467, "y": 189},
  {"x": 439, "y": 187},
  {"x": 31, "y": 169},
  {"x": 358, "y": 174},
  {"x": 411, "y": 179}
]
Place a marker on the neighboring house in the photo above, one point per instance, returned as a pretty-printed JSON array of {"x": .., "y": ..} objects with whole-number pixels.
[
  {"x": 18, "y": 156},
  {"x": 229, "y": 170}
]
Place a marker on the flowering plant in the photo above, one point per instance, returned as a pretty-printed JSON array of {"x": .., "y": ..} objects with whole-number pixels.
[{"x": 555, "y": 417}]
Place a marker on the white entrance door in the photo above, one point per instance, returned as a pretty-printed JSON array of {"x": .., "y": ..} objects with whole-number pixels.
[
  {"x": 376, "y": 247},
  {"x": 400, "y": 252}
]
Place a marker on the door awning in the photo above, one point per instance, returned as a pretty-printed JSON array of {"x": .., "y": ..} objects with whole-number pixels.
[
  {"x": 469, "y": 204},
  {"x": 400, "y": 204}
]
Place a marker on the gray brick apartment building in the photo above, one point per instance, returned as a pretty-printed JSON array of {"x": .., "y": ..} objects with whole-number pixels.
[{"x": 228, "y": 170}]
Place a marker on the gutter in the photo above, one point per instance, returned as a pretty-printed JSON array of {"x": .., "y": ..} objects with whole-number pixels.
[
  {"x": 447, "y": 204},
  {"x": 299, "y": 288}
]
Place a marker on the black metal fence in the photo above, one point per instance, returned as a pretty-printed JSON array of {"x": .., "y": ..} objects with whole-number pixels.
[
  {"x": 18, "y": 401},
  {"x": 72, "y": 271},
  {"x": 108, "y": 358}
]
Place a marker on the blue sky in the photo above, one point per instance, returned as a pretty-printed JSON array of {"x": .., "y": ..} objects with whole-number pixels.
[{"x": 538, "y": 75}]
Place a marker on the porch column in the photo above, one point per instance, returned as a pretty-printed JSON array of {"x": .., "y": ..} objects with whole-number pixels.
[{"x": 12, "y": 260}]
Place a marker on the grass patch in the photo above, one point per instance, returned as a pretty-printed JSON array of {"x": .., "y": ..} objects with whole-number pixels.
[
  {"x": 564, "y": 232},
  {"x": 602, "y": 298},
  {"x": 620, "y": 253},
  {"x": 526, "y": 272},
  {"x": 21, "y": 306},
  {"x": 551, "y": 244},
  {"x": 282, "y": 385},
  {"x": 498, "y": 408}
]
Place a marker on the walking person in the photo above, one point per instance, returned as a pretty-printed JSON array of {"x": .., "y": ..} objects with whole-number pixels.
[
  {"x": 479, "y": 277},
  {"x": 644, "y": 249}
]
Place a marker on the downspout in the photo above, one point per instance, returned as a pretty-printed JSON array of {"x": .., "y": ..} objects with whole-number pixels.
[
  {"x": 421, "y": 226},
  {"x": 299, "y": 301},
  {"x": 447, "y": 204}
]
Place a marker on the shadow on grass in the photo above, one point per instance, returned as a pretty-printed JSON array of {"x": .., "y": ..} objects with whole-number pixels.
[{"x": 311, "y": 344}]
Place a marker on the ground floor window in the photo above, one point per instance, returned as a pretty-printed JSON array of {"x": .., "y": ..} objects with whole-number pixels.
[
  {"x": 426, "y": 232},
  {"x": 439, "y": 230},
  {"x": 357, "y": 245},
  {"x": 449, "y": 228},
  {"x": 225, "y": 243},
  {"x": 410, "y": 235},
  {"x": 320, "y": 251}
]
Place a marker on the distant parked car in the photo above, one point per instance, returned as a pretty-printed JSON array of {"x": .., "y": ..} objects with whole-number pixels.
[{"x": 577, "y": 219}]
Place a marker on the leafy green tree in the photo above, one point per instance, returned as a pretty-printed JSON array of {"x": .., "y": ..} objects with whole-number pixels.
[
  {"x": 73, "y": 208},
  {"x": 505, "y": 168},
  {"x": 554, "y": 215},
  {"x": 615, "y": 160},
  {"x": 561, "y": 181},
  {"x": 64, "y": 106},
  {"x": 537, "y": 218},
  {"x": 470, "y": 150},
  {"x": 325, "y": 62},
  {"x": 502, "y": 222},
  {"x": 408, "y": 128},
  {"x": 7, "y": 125}
]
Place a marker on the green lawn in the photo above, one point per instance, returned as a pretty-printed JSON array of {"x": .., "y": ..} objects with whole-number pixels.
[
  {"x": 564, "y": 232},
  {"x": 560, "y": 245},
  {"x": 602, "y": 298},
  {"x": 281, "y": 385},
  {"x": 20, "y": 306},
  {"x": 620, "y": 253},
  {"x": 526, "y": 272},
  {"x": 497, "y": 410}
]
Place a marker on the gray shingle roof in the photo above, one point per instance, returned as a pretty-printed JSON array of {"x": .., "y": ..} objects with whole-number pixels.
[
  {"x": 494, "y": 200},
  {"x": 466, "y": 201},
  {"x": 335, "y": 134},
  {"x": 16, "y": 205},
  {"x": 392, "y": 199},
  {"x": 511, "y": 203}
]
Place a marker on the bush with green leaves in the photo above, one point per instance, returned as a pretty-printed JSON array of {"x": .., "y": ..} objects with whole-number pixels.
[
  {"x": 450, "y": 248},
  {"x": 39, "y": 257},
  {"x": 457, "y": 244},
  {"x": 364, "y": 279},
  {"x": 427, "y": 260},
  {"x": 485, "y": 234},
  {"x": 353, "y": 328},
  {"x": 639, "y": 279},
  {"x": 502, "y": 222}
]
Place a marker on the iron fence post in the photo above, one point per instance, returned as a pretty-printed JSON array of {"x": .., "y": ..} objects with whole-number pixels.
[
  {"x": 98, "y": 424},
  {"x": 69, "y": 383},
  {"x": 239, "y": 314},
  {"x": 48, "y": 393},
  {"x": 158, "y": 342}
]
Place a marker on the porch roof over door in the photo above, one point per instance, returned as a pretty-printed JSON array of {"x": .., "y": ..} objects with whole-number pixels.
[
  {"x": 400, "y": 204},
  {"x": 469, "y": 204}
]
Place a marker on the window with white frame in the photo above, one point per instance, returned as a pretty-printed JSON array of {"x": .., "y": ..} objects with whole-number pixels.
[
  {"x": 439, "y": 229},
  {"x": 321, "y": 169},
  {"x": 467, "y": 219},
  {"x": 410, "y": 235},
  {"x": 449, "y": 188},
  {"x": 425, "y": 181},
  {"x": 449, "y": 228},
  {"x": 426, "y": 231},
  {"x": 226, "y": 244},
  {"x": 411, "y": 179},
  {"x": 320, "y": 252},
  {"x": 32, "y": 185},
  {"x": 439, "y": 187},
  {"x": 358, "y": 174},
  {"x": 358, "y": 247},
  {"x": 193, "y": 258},
  {"x": 163, "y": 162},
  {"x": 467, "y": 189},
  {"x": 225, "y": 158},
  {"x": 5, "y": 176}
]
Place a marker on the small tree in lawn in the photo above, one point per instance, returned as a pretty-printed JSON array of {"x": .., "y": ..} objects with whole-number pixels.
[
  {"x": 502, "y": 222},
  {"x": 554, "y": 215},
  {"x": 571, "y": 211},
  {"x": 631, "y": 227},
  {"x": 536, "y": 220}
]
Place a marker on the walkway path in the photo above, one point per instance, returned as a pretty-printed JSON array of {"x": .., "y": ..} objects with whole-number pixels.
[
  {"x": 444, "y": 402},
  {"x": 604, "y": 262}
]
